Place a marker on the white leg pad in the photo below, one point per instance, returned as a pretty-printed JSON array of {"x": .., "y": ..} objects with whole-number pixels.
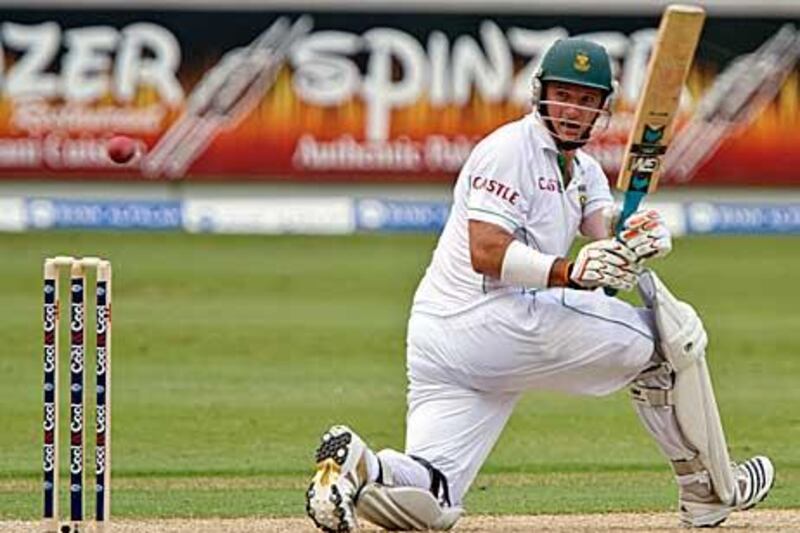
[
  {"x": 698, "y": 416},
  {"x": 404, "y": 509},
  {"x": 682, "y": 341}
]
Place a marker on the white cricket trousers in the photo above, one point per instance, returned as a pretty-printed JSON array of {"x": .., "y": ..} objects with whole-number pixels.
[{"x": 467, "y": 371}]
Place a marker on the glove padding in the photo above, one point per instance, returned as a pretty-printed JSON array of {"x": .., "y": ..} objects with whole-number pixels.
[
  {"x": 605, "y": 263},
  {"x": 646, "y": 235}
]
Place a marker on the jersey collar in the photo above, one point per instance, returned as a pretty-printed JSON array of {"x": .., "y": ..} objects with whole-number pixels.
[
  {"x": 541, "y": 138},
  {"x": 540, "y": 135}
]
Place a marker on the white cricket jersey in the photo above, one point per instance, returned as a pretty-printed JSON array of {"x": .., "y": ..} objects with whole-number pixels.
[{"x": 510, "y": 179}]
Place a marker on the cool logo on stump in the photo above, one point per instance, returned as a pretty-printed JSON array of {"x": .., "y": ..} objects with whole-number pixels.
[
  {"x": 101, "y": 365},
  {"x": 76, "y": 326},
  {"x": 49, "y": 318},
  {"x": 49, "y": 361},
  {"x": 76, "y": 460},
  {"x": 76, "y": 423},
  {"x": 76, "y": 361},
  {"x": 101, "y": 419}
]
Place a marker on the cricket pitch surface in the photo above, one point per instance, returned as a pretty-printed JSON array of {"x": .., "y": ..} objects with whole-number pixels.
[{"x": 751, "y": 521}]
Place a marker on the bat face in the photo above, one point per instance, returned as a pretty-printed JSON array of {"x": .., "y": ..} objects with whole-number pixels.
[
  {"x": 678, "y": 35},
  {"x": 645, "y": 157}
]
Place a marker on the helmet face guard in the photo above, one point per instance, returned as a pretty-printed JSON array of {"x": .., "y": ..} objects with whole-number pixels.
[
  {"x": 598, "y": 123},
  {"x": 577, "y": 62}
]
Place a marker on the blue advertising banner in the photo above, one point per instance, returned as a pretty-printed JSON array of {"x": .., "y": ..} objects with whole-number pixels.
[
  {"x": 343, "y": 215},
  {"x": 103, "y": 214},
  {"x": 401, "y": 215},
  {"x": 742, "y": 218}
]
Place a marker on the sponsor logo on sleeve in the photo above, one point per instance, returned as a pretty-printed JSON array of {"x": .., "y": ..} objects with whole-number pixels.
[{"x": 496, "y": 188}]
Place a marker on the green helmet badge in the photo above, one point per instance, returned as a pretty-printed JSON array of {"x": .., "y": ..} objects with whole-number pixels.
[{"x": 582, "y": 62}]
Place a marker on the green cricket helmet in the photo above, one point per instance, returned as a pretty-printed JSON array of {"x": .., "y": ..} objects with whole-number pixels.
[{"x": 576, "y": 61}]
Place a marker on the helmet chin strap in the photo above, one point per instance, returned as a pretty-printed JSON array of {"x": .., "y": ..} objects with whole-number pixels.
[
  {"x": 562, "y": 144},
  {"x": 568, "y": 146}
]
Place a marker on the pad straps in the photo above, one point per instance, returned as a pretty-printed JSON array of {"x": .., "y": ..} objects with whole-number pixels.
[
  {"x": 439, "y": 486},
  {"x": 654, "y": 396},
  {"x": 685, "y": 467}
]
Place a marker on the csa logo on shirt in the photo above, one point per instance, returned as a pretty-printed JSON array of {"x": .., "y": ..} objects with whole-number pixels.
[
  {"x": 479, "y": 183},
  {"x": 549, "y": 185}
]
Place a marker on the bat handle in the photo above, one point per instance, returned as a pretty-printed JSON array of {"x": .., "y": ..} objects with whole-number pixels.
[{"x": 629, "y": 206}]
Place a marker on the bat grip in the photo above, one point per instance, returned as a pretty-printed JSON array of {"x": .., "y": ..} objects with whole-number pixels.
[{"x": 629, "y": 206}]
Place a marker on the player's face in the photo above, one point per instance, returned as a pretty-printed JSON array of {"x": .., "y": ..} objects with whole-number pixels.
[{"x": 572, "y": 109}]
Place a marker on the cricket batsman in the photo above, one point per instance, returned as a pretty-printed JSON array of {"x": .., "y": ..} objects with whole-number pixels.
[{"x": 501, "y": 310}]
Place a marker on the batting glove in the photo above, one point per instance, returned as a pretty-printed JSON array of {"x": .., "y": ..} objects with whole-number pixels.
[
  {"x": 605, "y": 263},
  {"x": 646, "y": 235}
]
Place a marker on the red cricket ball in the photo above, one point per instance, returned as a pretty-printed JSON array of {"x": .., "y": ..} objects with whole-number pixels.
[{"x": 121, "y": 149}]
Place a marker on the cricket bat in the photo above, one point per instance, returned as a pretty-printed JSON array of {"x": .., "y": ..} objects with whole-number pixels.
[{"x": 676, "y": 42}]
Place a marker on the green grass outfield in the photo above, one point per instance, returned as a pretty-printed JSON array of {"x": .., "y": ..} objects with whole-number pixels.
[{"x": 232, "y": 354}]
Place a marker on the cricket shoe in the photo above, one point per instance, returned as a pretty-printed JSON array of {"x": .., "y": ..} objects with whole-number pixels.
[
  {"x": 703, "y": 508},
  {"x": 341, "y": 473}
]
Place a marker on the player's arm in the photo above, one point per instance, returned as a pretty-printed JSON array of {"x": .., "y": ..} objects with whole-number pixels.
[
  {"x": 598, "y": 224},
  {"x": 494, "y": 252},
  {"x": 487, "y": 247},
  {"x": 489, "y": 252}
]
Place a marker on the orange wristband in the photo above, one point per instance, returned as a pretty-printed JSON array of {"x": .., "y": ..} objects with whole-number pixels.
[{"x": 559, "y": 273}]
